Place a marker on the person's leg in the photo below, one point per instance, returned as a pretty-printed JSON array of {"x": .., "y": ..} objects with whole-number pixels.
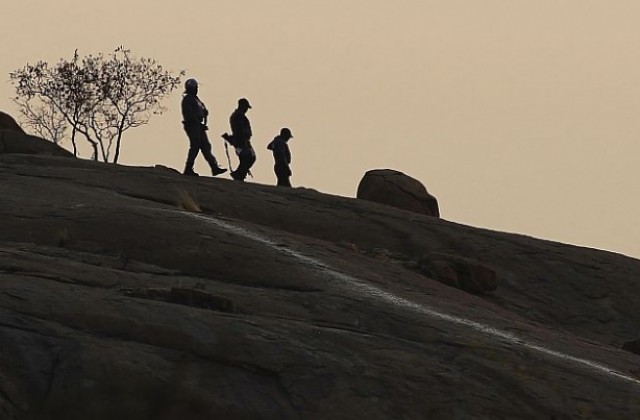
[
  {"x": 282, "y": 173},
  {"x": 283, "y": 181},
  {"x": 251, "y": 158},
  {"x": 194, "y": 148},
  {"x": 246, "y": 160},
  {"x": 205, "y": 146}
]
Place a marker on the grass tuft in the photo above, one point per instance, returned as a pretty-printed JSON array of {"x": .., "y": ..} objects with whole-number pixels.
[{"x": 187, "y": 201}]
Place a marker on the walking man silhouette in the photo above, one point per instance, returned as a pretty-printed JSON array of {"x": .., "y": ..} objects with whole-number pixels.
[
  {"x": 282, "y": 157},
  {"x": 240, "y": 138},
  {"x": 194, "y": 115}
]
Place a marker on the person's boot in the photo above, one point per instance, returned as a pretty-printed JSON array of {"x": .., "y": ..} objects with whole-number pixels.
[
  {"x": 217, "y": 171},
  {"x": 236, "y": 176},
  {"x": 189, "y": 172}
]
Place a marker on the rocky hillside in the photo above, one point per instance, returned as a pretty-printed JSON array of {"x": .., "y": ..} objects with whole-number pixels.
[{"x": 138, "y": 293}]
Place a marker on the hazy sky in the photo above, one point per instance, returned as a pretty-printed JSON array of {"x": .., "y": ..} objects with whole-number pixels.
[{"x": 519, "y": 116}]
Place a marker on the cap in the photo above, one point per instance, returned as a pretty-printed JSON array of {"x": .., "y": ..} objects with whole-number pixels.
[
  {"x": 286, "y": 132},
  {"x": 245, "y": 102}
]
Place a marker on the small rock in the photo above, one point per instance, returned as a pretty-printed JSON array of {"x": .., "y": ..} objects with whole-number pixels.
[{"x": 166, "y": 169}]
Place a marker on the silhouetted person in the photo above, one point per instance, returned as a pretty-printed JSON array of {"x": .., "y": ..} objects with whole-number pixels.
[
  {"x": 240, "y": 138},
  {"x": 282, "y": 157},
  {"x": 194, "y": 115}
]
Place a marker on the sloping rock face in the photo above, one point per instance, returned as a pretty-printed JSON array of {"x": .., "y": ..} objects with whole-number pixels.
[
  {"x": 18, "y": 142},
  {"x": 8, "y": 123},
  {"x": 272, "y": 304},
  {"x": 461, "y": 273},
  {"x": 632, "y": 346},
  {"x": 393, "y": 188}
]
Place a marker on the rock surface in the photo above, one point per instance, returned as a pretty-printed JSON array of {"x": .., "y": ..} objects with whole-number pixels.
[
  {"x": 393, "y": 188},
  {"x": 461, "y": 273},
  {"x": 8, "y": 123},
  {"x": 18, "y": 142},
  {"x": 632, "y": 346},
  {"x": 279, "y": 304}
]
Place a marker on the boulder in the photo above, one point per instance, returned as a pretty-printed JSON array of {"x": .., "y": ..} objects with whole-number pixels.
[
  {"x": 460, "y": 272},
  {"x": 393, "y": 188},
  {"x": 8, "y": 123},
  {"x": 442, "y": 271},
  {"x": 632, "y": 346},
  {"x": 12, "y": 141}
]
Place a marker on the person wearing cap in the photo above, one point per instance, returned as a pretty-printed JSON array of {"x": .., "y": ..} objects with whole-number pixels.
[
  {"x": 282, "y": 157},
  {"x": 194, "y": 115},
  {"x": 241, "y": 139}
]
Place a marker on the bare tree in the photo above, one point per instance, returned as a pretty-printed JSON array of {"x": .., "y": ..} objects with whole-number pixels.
[
  {"x": 43, "y": 117},
  {"x": 133, "y": 90},
  {"x": 98, "y": 97},
  {"x": 68, "y": 89}
]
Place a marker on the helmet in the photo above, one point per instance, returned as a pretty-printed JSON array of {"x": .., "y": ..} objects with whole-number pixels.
[
  {"x": 191, "y": 84},
  {"x": 285, "y": 132}
]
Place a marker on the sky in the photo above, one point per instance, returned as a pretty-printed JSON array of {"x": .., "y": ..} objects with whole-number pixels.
[{"x": 518, "y": 116}]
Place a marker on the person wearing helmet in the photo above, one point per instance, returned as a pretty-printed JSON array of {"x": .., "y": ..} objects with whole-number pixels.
[
  {"x": 282, "y": 157},
  {"x": 194, "y": 115},
  {"x": 240, "y": 138}
]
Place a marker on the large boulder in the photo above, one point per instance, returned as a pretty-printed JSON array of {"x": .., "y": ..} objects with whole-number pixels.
[
  {"x": 8, "y": 123},
  {"x": 12, "y": 141},
  {"x": 396, "y": 189}
]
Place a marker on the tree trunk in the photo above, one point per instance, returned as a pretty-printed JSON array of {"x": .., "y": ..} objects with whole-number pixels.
[
  {"x": 118, "y": 141},
  {"x": 95, "y": 151},
  {"x": 117, "y": 154},
  {"x": 73, "y": 141},
  {"x": 105, "y": 154}
]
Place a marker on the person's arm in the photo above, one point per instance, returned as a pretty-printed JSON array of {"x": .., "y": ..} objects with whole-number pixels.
[
  {"x": 205, "y": 113},
  {"x": 287, "y": 154},
  {"x": 248, "y": 128},
  {"x": 190, "y": 110},
  {"x": 235, "y": 125},
  {"x": 279, "y": 153}
]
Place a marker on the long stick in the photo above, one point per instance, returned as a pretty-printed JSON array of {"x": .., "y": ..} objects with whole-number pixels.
[{"x": 226, "y": 150}]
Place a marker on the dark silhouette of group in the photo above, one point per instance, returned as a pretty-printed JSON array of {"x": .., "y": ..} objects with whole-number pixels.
[{"x": 195, "y": 115}]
